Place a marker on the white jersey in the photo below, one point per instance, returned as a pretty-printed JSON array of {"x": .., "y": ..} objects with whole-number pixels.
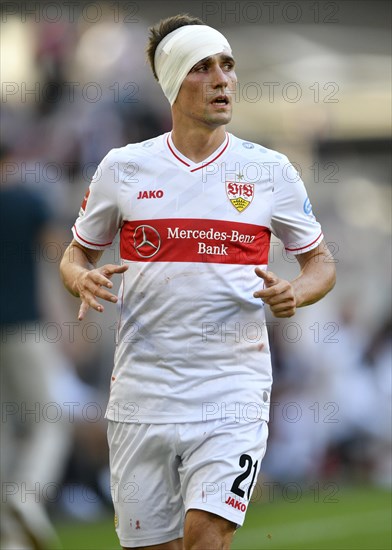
[{"x": 192, "y": 340}]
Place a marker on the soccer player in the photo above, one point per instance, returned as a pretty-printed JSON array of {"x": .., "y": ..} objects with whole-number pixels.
[{"x": 191, "y": 384}]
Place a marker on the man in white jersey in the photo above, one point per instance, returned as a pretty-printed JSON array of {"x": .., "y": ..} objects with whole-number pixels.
[{"x": 191, "y": 384}]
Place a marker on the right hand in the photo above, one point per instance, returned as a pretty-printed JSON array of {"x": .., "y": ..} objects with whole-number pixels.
[{"x": 91, "y": 285}]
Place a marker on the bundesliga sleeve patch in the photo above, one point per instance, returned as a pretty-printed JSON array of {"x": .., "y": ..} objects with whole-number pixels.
[
  {"x": 84, "y": 203},
  {"x": 194, "y": 240}
]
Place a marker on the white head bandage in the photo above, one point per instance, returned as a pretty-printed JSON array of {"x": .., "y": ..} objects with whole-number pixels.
[{"x": 180, "y": 50}]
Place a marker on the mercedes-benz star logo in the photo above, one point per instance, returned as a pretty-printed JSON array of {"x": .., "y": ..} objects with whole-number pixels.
[{"x": 146, "y": 240}]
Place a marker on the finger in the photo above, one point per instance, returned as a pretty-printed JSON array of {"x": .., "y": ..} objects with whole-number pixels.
[
  {"x": 84, "y": 307},
  {"x": 268, "y": 293},
  {"x": 277, "y": 305},
  {"x": 263, "y": 295},
  {"x": 90, "y": 300},
  {"x": 289, "y": 312},
  {"x": 100, "y": 292},
  {"x": 268, "y": 277},
  {"x": 111, "y": 269},
  {"x": 285, "y": 299},
  {"x": 101, "y": 276},
  {"x": 98, "y": 279},
  {"x": 92, "y": 290}
]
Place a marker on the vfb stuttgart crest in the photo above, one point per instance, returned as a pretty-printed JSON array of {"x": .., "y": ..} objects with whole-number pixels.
[{"x": 240, "y": 194}]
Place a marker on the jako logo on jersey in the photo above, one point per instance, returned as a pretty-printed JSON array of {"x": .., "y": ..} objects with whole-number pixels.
[
  {"x": 240, "y": 194},
  {"x": 236, "y": 504},
  {"x": 150, "y": 194},
  {"x": 147, "y": 241}
]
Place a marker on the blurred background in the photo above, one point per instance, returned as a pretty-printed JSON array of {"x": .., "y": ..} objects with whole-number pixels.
[{"x": 315, "y": 84}]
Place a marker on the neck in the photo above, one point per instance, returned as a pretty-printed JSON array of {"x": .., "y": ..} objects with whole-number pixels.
[{"x": 197, "y": 143}]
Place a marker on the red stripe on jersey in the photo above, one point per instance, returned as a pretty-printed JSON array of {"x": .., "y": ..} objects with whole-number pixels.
[
  {"x": 88, "y": 242},
  {"x": 194, "y": 240},
  {"x": 306, "y": 246}
]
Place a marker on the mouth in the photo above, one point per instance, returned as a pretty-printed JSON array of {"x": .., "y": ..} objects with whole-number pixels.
[{"x": 220, "y": 101}]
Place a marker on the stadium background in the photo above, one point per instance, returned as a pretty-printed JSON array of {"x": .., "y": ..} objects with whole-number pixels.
[{"x": 315, "y": 84}]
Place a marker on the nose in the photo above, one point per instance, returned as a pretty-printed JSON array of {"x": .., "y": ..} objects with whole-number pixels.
[{"x": 220, "y": 78}]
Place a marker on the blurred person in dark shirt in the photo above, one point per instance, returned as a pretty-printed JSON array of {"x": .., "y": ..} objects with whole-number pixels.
[{"x": 34, "y": 442}]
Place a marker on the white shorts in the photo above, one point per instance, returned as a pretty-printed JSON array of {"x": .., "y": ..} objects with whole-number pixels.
[{"x": 160, "y": 471}]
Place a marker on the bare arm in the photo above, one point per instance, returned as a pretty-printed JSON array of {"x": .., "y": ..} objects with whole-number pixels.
[
  {"x": 83, "y": 279},
  {"x": 316, "y": 279}
]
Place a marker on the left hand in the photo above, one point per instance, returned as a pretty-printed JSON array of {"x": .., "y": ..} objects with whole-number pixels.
[{"x": 277, "y": 293}]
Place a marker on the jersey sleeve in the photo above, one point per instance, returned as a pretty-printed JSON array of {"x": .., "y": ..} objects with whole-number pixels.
[
  {"x": 100, "y": 216},
  {"x": 293, "y": 221}
]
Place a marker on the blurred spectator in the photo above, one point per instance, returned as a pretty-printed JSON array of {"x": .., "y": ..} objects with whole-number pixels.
[
  {"x": 53, "y": 48},
  {"x": 35, "y": 437},
  {"x": 332, "y": 400},
  {"x": 378, "y": 359}
]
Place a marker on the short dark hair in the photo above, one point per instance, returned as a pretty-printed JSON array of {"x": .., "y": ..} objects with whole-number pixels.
[{"x": 163, "y": 28}]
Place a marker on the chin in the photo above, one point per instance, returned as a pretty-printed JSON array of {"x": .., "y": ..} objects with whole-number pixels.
[{"x": 220, "y": 119}]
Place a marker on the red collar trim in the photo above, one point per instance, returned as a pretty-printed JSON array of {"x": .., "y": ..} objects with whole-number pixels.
[
  {"x": 225, "y": 146},
  {"x": 173, "y": 152}
]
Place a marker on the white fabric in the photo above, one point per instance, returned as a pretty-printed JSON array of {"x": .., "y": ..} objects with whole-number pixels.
[
  {"x": 192, "y": 340},
  {"x": 180, "y": 50},
  {"x": 159, "y": 472}
]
